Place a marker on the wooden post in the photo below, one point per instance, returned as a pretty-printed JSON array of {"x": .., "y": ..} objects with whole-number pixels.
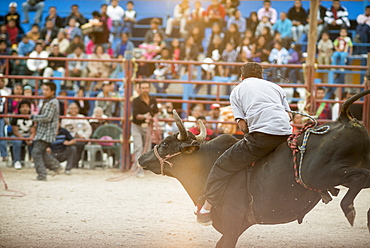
[
  {"x": 311, "y": 52},
  {"x": 366, "y": 112}
]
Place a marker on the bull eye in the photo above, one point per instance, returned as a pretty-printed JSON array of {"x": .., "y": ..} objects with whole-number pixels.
[{"x": 164, "y": 145}]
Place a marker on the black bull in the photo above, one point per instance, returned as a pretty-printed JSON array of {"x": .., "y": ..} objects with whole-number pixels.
[{"x": 339, "y": 157}]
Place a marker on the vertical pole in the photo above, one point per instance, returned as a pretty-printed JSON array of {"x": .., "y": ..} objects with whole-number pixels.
[
  {"x": 126, "y": 155},
  {"x": 311, "y": 50},
  {"x": 366, "y": 115}
]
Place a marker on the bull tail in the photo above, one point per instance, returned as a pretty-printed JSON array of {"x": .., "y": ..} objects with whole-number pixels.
[{"x": 345, "y": 113}]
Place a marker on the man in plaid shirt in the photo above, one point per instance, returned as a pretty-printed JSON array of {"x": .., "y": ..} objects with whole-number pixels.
[{"x": 47, "y": 128}]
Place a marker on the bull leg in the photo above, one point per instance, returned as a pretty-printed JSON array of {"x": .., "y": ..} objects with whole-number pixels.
[{"x": 355, "y": 184}]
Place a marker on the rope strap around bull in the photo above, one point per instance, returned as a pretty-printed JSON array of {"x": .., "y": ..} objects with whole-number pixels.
[{"x": 309, "y": 127}]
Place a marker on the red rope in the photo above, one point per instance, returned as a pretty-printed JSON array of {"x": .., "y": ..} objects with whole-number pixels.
[{"x": 6, "y": 187}]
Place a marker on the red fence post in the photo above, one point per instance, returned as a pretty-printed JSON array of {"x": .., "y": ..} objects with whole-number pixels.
[{"x": 126, "y": 155}]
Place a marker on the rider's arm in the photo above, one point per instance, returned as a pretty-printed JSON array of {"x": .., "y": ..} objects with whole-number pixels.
[{"x": 243, "y": 126}]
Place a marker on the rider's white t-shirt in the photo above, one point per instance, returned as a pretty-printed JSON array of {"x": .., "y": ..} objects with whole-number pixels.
[{"x": 262, "y": 104}]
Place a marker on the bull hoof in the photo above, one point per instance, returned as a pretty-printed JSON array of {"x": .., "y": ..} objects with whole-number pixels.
[{"x": 351, "y": 215}]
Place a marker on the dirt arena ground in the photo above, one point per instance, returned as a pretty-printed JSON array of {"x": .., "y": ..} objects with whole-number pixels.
[{"x": 86, "y": 210}]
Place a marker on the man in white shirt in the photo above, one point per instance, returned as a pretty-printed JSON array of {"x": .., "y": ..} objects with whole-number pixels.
[
  {"x": 268, "y": 11},
  {"x": 260, "y": 108},
  {"x": 116, "y": 13},
  {"x": 363, "y": 29}
]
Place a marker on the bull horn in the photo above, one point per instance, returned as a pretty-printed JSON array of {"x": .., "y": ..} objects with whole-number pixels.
[
  {"x": 203, "y": 132},
  {"x": 183, "y": 134}
]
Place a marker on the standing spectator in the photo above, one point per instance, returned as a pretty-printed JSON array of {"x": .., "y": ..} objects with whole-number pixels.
[
  {"x": 336, "y": 17},
  {"x": 268, "y": 11},
  {"x": 76, "y": 42},
  {"x": 13, "y": 31},
  {"x": 154, "y": 29},
  {"x": 279, "y": 56},
  {"x": 77, "y": 68},
  {"x": 72, "y": 30},
  {"x": 239, "y": 20},
  {"x": 297, "y": 14},
  {"x": 144, "y": 113},
  {"x": 13, "y": 15},
  {"x": 22, "y": 128},
  {"x": 252, "y": 22},
  {"x": 363, "y": 29},
  {"x": 229, "y": 55},
  {"x": 4, "y": 91},
  {"x": 47, "y": 126},
  {"x": 49, "y": 32},
  {"x": 26, "y": 46},
  {"x": 129, "y": 18},
  {"x": 83, "y": 105},
  {"x": 34, "y": 33},
  {"x": 76, "y": 14},
  {"x": 215, "y": 13},
  {"x": 54, "y": 17},
  {"x": 323, "y": 109},
  {"x": 99, "y": 69},
  {"x": 116, "y": 13},
  {"x": 79, "y": 128},
  {"x": 36, "y": 66},
  {"x": 321, "y": 12},
  {"x": 55, "y": 65},
  {"x": 61, "y": 41},
  {"x": 33, "y": 5},
  {"x": 343, "y": 48},
  {"x": 181, "y": 15},
  {"x": 325, "y": 48}
]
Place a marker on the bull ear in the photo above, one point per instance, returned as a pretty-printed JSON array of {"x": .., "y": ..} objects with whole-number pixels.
[{"x": 189, "y": 148}]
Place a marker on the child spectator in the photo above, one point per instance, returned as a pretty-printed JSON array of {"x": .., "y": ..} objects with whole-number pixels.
[
  {"x": 325, "y": 48},
  {"x": 4, "y": 36},
  {"x": 154, "y": 29},
  {"x": 323, "y": 109},
  {"x": 34, "y": 33},
  {"x": 229, "y": 55},
  {"x": 129, "y": 18},
  {"x": 152, "y": 49},
  {"x": 26, "y": 46},
  {"x": 116, "y": 13},
  {"x": 263, "y": 23},
  {"x": 343, "y": 48},
  {"x": 246, "y": 47},
  {"x": 72, "y": 30},
  {"x": 279, "y": 56}
]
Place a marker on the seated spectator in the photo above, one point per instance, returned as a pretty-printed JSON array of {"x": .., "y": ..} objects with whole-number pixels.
[
  {"x": 284, "y": 26},
  {"x": 196, "y": 130},
  {"x": 266, "y": 32},
  {"x": 214, "y": 115},
  {"x": 230, "y": 6},
  {"x": 216, "y": 31},
  {"x": 4, "y": 50},
  {"x": 18, "y": 67},
  {"x": 181, "y": 15},
  {"x": 198, "y": 18},
  {"x": 35, "y": 65},
  {"x": 55, "y": 65},
  {"x": 33, "y": 5},
  {"x": 79, "y": 128},
  {"x": 49, "y": 32},
  {"x": 363, "y": 29},
  {"x": 13, "y": 102},
  {"x": 34, "y": 33},
  {"x": 175, "y": 51},
  {"x": 22, "y": 128},
  {"x": 125, "y": 48},
  {"x": 279, "y": 56},
  {"x": 61, "y": 41},
  {"x": 214, "y": 52},
  {"x": 239, "y": 20},
  {"x": 297, "y": 14},
  {"x": 197, "y": 37},
  {"x": 4, "y": 36},
  {"x": 110, "y": 108},
  {"x": 343, "y": 48},
  {"x": 129, "y": 19},
  {"x": 83, "y": 105},
  {"x": 215, "y": 13},
  {"x": 75, "y": 43},
  {"x": 267, "y": 11},
  {"x": 76, "y": 14},
  {"x": 229, "y": 55},
  {"x": 13, "y": 31},
  {"x": 189, "y": 50},
  {"x": 77, "y": 68},
  {"x": 325, "y": 48},
  {"x": 154, "y": 48},
  {"x": 297, "y": 120},
  {"x": 99, "y": 69},
  {"x": 163, "y": 71},
  {"x": 13, "y": 15},
  {"x": 323, "y": 109},
  {"x": 263, "y": 23},
  {"x": 154, "y": 29},
  {"x": 261, "y": 52},
  {"x": 336, "y": 17},
  {"x": 195, "y": 112},
  {"x": 116, "y": 13},
  {"x": 27, "y": 91},
  {"x": 232, "y": 35},
  {"x": 246, "y": 48},
  {"x": 320, "y": 21},
  {"x": 4, "y": 91},
  {"x": 296, "y": 57},
  {"x": 95, "y": 123},
  {"x": 54, "y": 17},
  {"x": 26, "y": 46},
  {"x": 252, "y": 22},
  {"x": 64, "y": 149},
  {"x": 143, "y": 69},
  {"x": 72, "y": 30}
]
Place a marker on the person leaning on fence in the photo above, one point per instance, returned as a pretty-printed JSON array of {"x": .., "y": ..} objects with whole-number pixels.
[
  {"x": 144, "y": 113},
  {"x": 47, "y": 126}
]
